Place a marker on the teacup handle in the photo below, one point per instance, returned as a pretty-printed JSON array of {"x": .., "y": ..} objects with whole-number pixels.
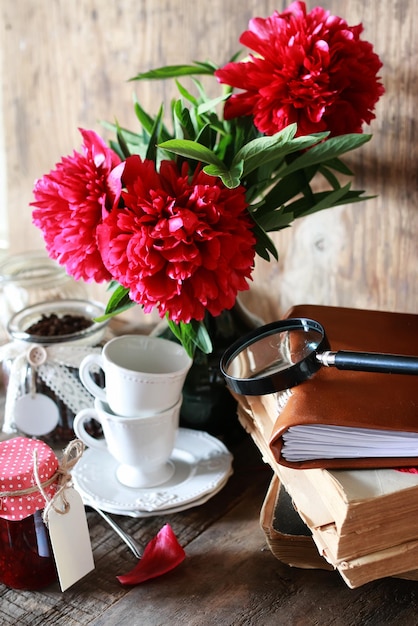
[
  {"x": 86, "y": 377},
  {"x": 80, "y": 430}
]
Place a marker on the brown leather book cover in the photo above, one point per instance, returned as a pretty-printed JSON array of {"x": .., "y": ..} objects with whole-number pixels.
[{"x": 387, "y": 402}]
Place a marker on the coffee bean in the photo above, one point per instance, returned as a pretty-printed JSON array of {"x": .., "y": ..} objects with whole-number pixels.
[{"x": 54, "y": 326}]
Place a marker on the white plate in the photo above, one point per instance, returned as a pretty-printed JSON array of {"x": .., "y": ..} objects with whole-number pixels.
[{"x": 201, "y": 466}]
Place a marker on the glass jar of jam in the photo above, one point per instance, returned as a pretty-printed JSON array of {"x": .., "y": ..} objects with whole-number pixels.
[{"x": 26, "y": 559}]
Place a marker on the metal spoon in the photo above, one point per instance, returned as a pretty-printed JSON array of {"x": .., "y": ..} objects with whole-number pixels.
[{"x": 130, "y": 542}]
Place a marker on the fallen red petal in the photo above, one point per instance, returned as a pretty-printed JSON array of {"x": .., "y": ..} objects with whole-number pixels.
[{"x": 162, "y": 554}]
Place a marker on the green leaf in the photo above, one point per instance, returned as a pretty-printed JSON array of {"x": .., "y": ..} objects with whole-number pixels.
[
  {"x": 173, "y": 71},
  {"x": 146, "y": 121},
  {"x": 330, "y": 177},
  {"x": 206, "y": 65},
  {"x": 183, "y": 121},
  {"x": 186, "y": 94},
  {"x": 206, "y": 136},
  {"x": 129, "y": 136},
  {"x": 151, "y": 152},
  {"x": 251, "y": 151},
  {"x": 202, "y": 338},
  {"x": 339, "y": 166},
  {"x": 276, "y": 220},
  {"x": 325, "y": 200},
  {"x": 192, "y": 335},
  {"x": 264, "y": 246},
  {"x": 262, "y": 150},
  {"x": 329, "y": 149},
  {"x": 286, "y": 189},
  {"x": 118, "y": 302},
  {"x": 200, "y": 89},
  {"x": 210, "y": 105},
  {"x": 120, "y": 295},
  {"x": 230, "y": 178},
  {"x": 136, "y": 143},
  {"x": 192, "y": 150},
  {"x": 122, "y": 143}
]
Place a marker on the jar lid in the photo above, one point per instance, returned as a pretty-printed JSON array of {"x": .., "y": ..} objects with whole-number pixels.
[
  {"x": 31, "y": 269},
  {"x": 17, "y": 475}
]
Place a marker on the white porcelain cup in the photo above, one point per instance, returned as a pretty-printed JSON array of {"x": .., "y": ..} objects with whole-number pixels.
[
  {"x": 141, "y": 445},
  {"x": 143, "y": 375}
]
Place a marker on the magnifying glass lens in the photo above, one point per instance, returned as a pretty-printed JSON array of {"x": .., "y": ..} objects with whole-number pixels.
[
  {"x": 274, "y": 353},
  {"x": 274, "y": 357}
]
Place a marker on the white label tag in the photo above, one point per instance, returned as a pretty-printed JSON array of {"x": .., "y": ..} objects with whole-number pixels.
[
  {"x": 70, "y": 540},
  {"x": 35, "y": 414}
]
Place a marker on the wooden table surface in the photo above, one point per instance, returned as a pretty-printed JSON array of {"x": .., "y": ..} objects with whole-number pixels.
[{"x": 229, "y": 576}]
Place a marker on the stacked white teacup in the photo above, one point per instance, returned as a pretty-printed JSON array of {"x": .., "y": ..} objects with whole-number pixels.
[{"x": 139, "y": 407}]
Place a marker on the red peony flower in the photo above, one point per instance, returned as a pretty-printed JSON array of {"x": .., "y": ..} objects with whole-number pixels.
[
  {"x": 309, "y": 68},
  {"x": 71, "y": 201},
  {"x": 183, "y": 246}
]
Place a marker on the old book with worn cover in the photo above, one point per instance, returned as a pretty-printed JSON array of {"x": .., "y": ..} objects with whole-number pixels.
[
  {"x": 291, "y": 542},
  {"x": 351, "y": 419},
  {"x": 287, "y": 536}
]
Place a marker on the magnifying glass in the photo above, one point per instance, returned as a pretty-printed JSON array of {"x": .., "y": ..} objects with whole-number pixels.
[{"x": 283, "y": 354}]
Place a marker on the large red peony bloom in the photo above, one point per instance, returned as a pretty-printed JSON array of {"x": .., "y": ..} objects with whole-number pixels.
[
  {"x": 179, "y": 245},
  {"x": 309, "y": 68},
  {"x": 70, "y": 202}
]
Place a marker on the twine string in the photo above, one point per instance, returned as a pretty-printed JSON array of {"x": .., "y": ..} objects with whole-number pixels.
[
  {"x": 62, "y": 477},
  {"x": 71, "y": 455},
  {"x": 29, "y": 490}
]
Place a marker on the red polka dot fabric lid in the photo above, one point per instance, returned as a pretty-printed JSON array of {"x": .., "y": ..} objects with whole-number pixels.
[{"x": 17, "y": 475}]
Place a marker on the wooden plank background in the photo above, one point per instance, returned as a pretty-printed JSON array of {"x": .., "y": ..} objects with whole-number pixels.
[{"x": 66, "y": 65}]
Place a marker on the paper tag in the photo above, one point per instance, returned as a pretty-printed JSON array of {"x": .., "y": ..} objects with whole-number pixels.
[
  {"x": 35, "y": 414},
  {"x": 70, "y": 540}
]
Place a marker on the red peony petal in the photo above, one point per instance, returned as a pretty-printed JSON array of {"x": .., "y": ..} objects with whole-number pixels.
[{"x": 162, "y": 554}]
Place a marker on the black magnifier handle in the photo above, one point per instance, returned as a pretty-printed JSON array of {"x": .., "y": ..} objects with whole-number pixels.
[{"x": 369, "y": 362}]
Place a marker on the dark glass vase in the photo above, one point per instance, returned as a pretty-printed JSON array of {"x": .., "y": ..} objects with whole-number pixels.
[{"x": 207, "y": 403}]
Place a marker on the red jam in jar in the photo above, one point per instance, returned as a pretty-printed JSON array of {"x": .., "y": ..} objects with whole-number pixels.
[{"x": 26, "y": 559}]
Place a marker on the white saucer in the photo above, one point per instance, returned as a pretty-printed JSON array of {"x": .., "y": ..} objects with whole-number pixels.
[
  {"x": 202, "y": 465},
  {"x": 168, "y": 511}
]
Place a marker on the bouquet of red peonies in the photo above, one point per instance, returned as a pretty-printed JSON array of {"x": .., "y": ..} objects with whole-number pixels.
[{"x": 172, "y": 217}]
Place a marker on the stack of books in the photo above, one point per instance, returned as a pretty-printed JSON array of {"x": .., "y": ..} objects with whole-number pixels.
[{"x": 355, "y": 514}]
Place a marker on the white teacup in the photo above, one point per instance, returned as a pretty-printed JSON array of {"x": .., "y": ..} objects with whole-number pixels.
[
  {"x": 143, "y": 375},
  {"x": 142, "y": 445}
]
